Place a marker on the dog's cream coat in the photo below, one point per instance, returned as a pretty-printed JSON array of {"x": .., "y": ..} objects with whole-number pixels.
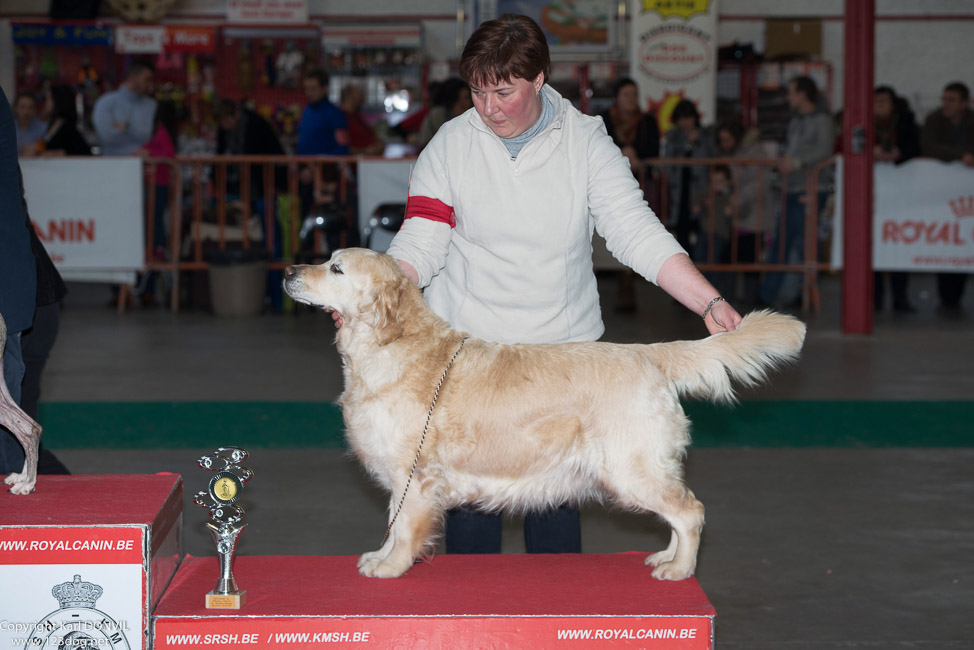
[
  {"x": 521, "y": 427},
  {"x": 25, "y": 430}
]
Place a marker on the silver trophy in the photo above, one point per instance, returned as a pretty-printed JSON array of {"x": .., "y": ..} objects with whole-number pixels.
[{"x": 224, "y": 490}]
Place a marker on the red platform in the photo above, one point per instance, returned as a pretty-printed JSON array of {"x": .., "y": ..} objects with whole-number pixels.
[
  {"x": 122, "y": 533},
  {"x": 524, "y": 601}
]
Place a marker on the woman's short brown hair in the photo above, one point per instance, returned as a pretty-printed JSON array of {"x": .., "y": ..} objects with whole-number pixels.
[{"x": 506, "y": 48}]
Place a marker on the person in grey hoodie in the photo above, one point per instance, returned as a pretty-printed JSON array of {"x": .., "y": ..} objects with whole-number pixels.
[{"x": 810, "y": 140}]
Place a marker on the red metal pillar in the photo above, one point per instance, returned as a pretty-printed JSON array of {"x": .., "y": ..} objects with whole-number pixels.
[{"x": 857, "y": 180}]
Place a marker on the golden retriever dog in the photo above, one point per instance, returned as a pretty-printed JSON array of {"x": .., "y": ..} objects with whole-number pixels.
[
  {"x": 519, "y": 427},
  {"x": 25, "y": 430}
]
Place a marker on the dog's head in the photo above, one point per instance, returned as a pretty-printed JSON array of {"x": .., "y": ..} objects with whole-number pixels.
[{"x": 363, "y": 286}]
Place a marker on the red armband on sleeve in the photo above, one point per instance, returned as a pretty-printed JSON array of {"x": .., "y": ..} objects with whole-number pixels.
[{"x": 432, "y": 209}]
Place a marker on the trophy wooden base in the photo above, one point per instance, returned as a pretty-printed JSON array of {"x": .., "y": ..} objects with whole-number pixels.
[{"x": 226, "y": 601}]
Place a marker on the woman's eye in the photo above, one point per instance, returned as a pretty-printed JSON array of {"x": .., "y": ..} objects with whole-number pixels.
[{"x": 337, "y": 270}]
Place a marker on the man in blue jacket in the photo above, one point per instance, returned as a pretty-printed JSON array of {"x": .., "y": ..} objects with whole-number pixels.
[{"x": 324, "y": 128}]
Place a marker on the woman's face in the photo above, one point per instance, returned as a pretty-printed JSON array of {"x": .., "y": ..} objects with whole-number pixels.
[
  {"x": 687, "y": 124},
  {"x": 883, "y": 105},
  {"x": 725, "y": 140},
  {"x": 509, "y": 108},
  {"x": 627, "y": 98}
]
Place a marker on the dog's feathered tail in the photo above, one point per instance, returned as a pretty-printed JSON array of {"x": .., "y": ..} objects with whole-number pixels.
[{"x": 704, "y": 368}]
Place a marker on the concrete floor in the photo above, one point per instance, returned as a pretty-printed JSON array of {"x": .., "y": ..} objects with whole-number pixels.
[{"x": 803, "y": 548}]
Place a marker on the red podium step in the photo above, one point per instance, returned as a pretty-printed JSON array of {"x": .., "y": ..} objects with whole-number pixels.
[
  {"x": 84, "y": 559},
  {"x": 458, "y": 601}
]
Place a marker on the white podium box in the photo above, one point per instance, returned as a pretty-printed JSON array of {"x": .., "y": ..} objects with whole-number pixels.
[{"x": 84, "y": 559}]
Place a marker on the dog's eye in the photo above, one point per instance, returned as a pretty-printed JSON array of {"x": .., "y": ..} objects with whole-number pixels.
[{"x": 337, "y": 270}]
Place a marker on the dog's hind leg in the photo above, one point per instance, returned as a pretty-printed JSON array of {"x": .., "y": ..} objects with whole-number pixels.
[
  {"x": 22, "y": 426},
  {"x": 412, "y": 532},
  {"x": 682, "y": 511}
]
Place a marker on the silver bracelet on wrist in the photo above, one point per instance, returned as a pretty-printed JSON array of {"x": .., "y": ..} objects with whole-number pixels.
[{"x": 710, "y": 306}]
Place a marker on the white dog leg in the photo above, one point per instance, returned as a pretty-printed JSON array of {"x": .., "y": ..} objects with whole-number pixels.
[
  {"x": 25, "y": 430},
  {"x": 410, "y": 535}
]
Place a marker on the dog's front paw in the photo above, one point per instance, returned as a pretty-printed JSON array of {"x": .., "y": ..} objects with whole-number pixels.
[
  {"x": 662, "y": 557},
  {"x": 371, "y": 565},
  {"x": 19, "y": 484},
  {"x": 671, "y": 571},
  {"x": 372, "y": 557}
]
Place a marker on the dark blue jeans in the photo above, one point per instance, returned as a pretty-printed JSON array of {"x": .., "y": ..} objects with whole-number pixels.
[
  {"x": 552, "y": 531},
  {"x": 780, "y": 287}
]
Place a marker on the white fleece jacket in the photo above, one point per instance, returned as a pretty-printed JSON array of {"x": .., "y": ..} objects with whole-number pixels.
[{"x": 503, "y": 246}]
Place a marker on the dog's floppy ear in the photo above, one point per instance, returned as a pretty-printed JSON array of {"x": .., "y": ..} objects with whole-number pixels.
[{"x": 386, "y": 321}]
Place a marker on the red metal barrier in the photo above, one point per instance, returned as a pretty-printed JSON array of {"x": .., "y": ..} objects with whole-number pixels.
[{"x": 201, "y": 210}]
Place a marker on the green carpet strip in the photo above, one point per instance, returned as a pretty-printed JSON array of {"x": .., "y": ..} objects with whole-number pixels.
[{"x": 295, "y": 425}]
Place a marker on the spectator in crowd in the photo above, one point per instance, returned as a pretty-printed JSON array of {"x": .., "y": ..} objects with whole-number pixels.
[
  {"x": 323, "y": 129},
  {"x": 637, "y": 134},
  {"x": 245, "y": 132},
  {"x": 362, "y": 138},
  {"x": 123, "y": 117},
  {"x": 62, "y": 137},
  {"x": 688, "y": 183},
  {"x": 810, "y": 139},
  {"x": 165, "y": 138},
  {"x": 897, "y": 140},
  {"x": 948, "y": 135},
  {"x": 501, "y": 207},
  {"x": 450, "y": 99},
  {"x": 634, "y": 131},
  {"x": 18, "y": 277},
  {"x": 30, "y": 128},
  {"x": 752, "y": 202}
]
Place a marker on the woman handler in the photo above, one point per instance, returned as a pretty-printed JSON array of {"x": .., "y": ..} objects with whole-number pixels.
[{"x": 502, "y": 204}]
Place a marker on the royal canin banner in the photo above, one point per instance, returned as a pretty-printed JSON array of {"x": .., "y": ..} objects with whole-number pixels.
[
  {"x": 923, "y": 217},
  {"x": 673, "y": 56},
  {"x": 77, "y": 586},
  {"x": 88, "y": 212},
  {"x": 66, "y": 545}
]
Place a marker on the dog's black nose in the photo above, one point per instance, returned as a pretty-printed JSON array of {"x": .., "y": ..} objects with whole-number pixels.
[{"x": 289, "y": 271}]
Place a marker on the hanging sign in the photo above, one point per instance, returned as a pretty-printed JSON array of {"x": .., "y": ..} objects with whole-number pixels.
[
  {"x": 673, "y": 55},
  {"x": 62, "y": 34},
  {"x": 280, "y": 12},
  {"x": 139, "y": 39},
  {"x": 190, "y": 38}
]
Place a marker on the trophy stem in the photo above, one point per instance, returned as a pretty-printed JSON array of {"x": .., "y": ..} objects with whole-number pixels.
[{"x": 225, "y": 595}]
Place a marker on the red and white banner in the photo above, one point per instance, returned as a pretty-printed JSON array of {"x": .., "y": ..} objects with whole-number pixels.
[
  {"x": 75, "y": 586},
  {"x": 64, "y": 545},
  {"x": 662, "y": 633},
  {"x": 923, "y": 218},
  {"x": 139, "y": 39},
  {"x": 155, "y": 39},
  {"x": 190, "y": 38},
  {"x": 277, "y": 12},
  {"x": 88, "y": 212},
  {"x": 673, "y": 56}
]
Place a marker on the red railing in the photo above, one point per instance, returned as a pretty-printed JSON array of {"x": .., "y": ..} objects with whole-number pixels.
[{"x": 202, "y": 208}]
